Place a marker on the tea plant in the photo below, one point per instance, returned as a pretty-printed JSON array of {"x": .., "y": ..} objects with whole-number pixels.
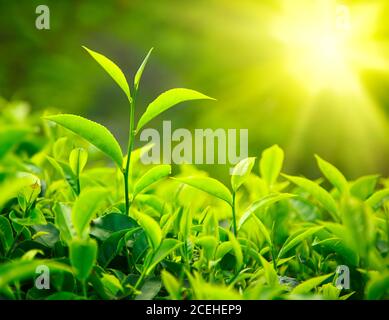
[{"x": 131, "y": 231}]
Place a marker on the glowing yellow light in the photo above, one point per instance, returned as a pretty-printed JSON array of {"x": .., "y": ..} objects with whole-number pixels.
[{"x": 327, "y": 44}]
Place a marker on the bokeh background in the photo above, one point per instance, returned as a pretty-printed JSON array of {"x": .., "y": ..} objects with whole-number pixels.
[{"x": 308, "y": 75}]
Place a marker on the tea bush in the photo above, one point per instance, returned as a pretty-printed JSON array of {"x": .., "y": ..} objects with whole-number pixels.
[{"x": 124, "y": 230}]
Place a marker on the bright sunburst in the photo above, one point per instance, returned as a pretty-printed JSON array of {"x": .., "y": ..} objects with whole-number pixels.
[{"x": 328, "y": 43}]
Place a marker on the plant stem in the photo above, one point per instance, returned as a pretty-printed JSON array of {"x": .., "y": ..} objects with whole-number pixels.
[
  {"x": 139, "y": 281},
  {"x": 130, "y": 147},
  {"x": 14, "y": 243},
  {"x": 234, "y": 214},
  {"x": 84, "y": 291}
]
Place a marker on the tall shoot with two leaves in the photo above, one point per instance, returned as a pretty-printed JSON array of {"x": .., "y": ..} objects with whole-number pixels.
[{"x": 102, "y": 138}]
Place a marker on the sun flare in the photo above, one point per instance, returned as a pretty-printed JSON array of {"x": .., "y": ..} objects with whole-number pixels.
[{"x": 327, "y": 44}]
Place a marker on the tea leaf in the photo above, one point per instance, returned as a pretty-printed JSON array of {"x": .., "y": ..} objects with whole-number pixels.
[
  {"x": 237, "y": 249},
  {"x": 270, "y": 274},
  {"x": 270, "y": 164},
  {"x": 223, "y": 249},
  {"x": 151, "y": 176},
  {"x": 377, "y": 287},
  {"x": 139, "y": 73},
  {"x": 307, "y": 286},
  {"x": 63, "y": 221},
  {"x": 319, "y": 193},
  {"x": 6, "y": 234},
  {"x": 12, "y": 186},
  {"x": 167, "y": 247},
  {"x": 111, "y": 283},
  {"x": 171, "y": 284},
  {"x": 333, "y": 175},
  {"x": 85, "y": 207},
  {"x": 167, "y": 100},
  {"x": 77, "y": 160},
  {"x": 66, "y": 172},
  {"x": 296, "y": 239},
  {"x": 10, "y": 137},
  {"x": 241, "y": 172},
  {"x": 262, "y": 228},
  {"x": 151, "y": 227},
  {"x": 104, "y": 226},
  {"x": 264, "y": 202},
  {"x": 83, "y": 254},
  {"x": 358, "y": 219},
  {"x": 378, "y": 198},
  {"x": 93, "y": 132},
  {"x": 150, "y": 289},
  {"x": 209, "y": 185},
  {"x": 112, "y": 69},
  {"x": 35, "y": 216},
  {"x": 208, "y": 244},
  {"x": 364, "y": 187}
]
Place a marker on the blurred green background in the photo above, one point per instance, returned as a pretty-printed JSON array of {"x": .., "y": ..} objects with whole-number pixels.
[{"x": 272, "y": 65}]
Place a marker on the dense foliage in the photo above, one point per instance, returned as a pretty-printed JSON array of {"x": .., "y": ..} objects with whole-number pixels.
[{"x": 131, "y": 231}]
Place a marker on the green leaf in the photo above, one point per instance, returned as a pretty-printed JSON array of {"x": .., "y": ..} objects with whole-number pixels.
[
  {"x": 270, "y": 274},
  {"x": 337, "y": 245},
  {"x": 35, "y": 216},
  {"x": 46, "y": 234},
  {"x": 149, "y": 289},
  {"x": 307, "y": 286},
  {"x": 172, "y": 285},
  {"x": 153, "y": 175},
  {"x": 111, "y": 246},
  {"x": 364, "y": 187},
  {"x": 10, "y": 137},
  {"x": 209, "y": 185},
  {"x": 104, "y": 226},
  {"x": 6, "y": 234},
  {"x": 333, "y": 175},
  {"x": 66, "y": 172},
  {"x": 237, "y": 249},
  {"x": 12, "y": 186},
  {"x": 85, "y": 207},
  {"x": 296, "y": 239},
  {"x": 151, "y": 201},
  {"x": 19, "y": 270},
  {"x": 112, "y": 69},
  {"x": 262, "y": 228},
  {"x": 83, "y": 254},
  {"x": 77, "y": 160},
  {"x": 378, "y": 287},
  {"x": 378, "y": 198},
  {"x": 93, "y": 132},
  {"x": 223, "y": 249},
  {"x": 151, "y": 227},
  {"x": 359, "y": 222},
  {"x": 262, "y": 203},
  {"x": 319, "y": 193},
  {"x": 241, "y": 172},
  {"x": 62, "y": 218},
  {"x": 111, "y": 283},
  {"x": 139, "y": 73},
  {"x": 167, "y": 247},
  {"x": 167, "y": 100},
  {"x": 209, "y": 245},
  {"x": 270, "y": 164}
]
